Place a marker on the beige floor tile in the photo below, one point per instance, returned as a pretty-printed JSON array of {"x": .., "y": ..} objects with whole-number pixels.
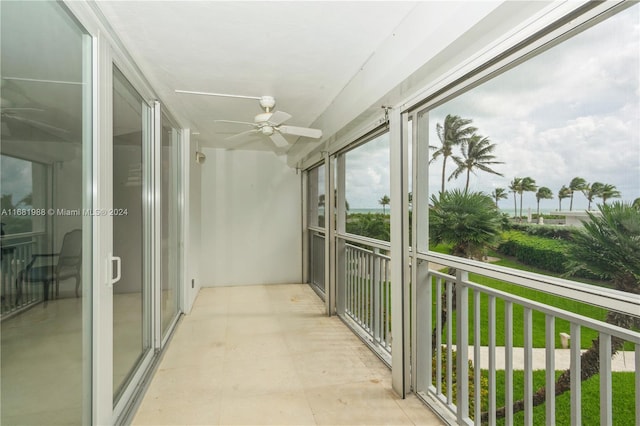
[
  {"x": 417, "y": 412},
  {"x": 269, "y": 355},
  {"x": 288, "y": 408},
  {"x": 374, "y": 416}
]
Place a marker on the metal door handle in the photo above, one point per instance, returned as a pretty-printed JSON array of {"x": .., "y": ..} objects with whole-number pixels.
[{"x": 118, "y": 261}]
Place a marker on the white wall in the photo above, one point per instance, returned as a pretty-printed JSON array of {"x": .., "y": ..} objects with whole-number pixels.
[
  {"x": 192, "y": 225},
  {"x": 251, "y": 219}
]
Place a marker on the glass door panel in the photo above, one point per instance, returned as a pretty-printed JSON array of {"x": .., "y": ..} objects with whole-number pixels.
[
  {"x": 169, "y": 230},
  {"x": 45, "y": 256},
  {"x": 131, "y": 294}
]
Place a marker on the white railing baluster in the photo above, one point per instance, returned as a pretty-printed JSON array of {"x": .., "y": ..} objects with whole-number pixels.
[
  {"x": 462, "y": 345},
  {"x": 528, "y": 366},
  {"x": 477, "y": 372},
  {"x": 508, "y": 359},
  {"x": 492, "y": 360},
  {"x": 425, "y": 309},
  {"x": 550, "y": 364},
  {"x": 606, "y": 410},
  {"x": 576, "y": 385},
  {"x": 449, "y": 288},
  {"x": 387, "y": 310},
  {"x": 637, "y": 359},
  {"x": 439, "y": 336}
]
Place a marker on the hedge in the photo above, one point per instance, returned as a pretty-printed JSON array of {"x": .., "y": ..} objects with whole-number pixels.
[
  {"x": 544, "y": 253},
  {"x": 548, "y": 231}
]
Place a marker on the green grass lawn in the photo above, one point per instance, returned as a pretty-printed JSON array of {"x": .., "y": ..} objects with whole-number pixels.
[
  {"x": 538, "y": 325},
  {"x": 622, "y": 397}
]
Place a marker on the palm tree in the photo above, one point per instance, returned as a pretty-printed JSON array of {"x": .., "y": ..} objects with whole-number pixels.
[
  {"x": 576, "y": 184},
  {"x": 385, "y": 200},
  {"x": 476, "y": 154},
  {"x": 499, "y": 194},
  {"x": 563, "y": 193},
  {"x": 467, "y": 220},
  {"x": 513, "y": 187},
  {"x": 608, "y": 191},
  {"x": 526, "y": 184},
  {"x": 592, "y": 191},
  {"x": 543, "y": 193},
  {"x": 455, "y": 131},
  {"x": 636, "y": 203}
]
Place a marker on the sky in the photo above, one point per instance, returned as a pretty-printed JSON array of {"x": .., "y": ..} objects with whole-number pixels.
[{"x": 573, "y": 110}]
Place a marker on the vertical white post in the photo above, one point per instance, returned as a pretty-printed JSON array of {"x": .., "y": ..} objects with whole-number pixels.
[
  {"x": 576, "y": 389},
  {"x": 550, "y": 364},
  {"x": 102, "y": 324},
  {"x": 508, "y": 355},
  {"x": 329, "y": 232},
  {"x": 399, "y": 326},
  {"x": 492, "y": 360},
  {"x": 462, "y": 345},
  {"x": 476, "y": 356},
  {"x": 422, "y": 362},
  {"x": 637, "y": 359},
  {"x": 606, "y": 407},
  {"x": 528, "y": 366},
  {"x": 341, "y": 218},
  {"x": 304, "y": 199}
]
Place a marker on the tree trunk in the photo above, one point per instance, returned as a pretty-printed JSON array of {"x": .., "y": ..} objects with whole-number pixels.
[
  {"x": 444, "y": 164},
  {"x": 571, "y": 203}
]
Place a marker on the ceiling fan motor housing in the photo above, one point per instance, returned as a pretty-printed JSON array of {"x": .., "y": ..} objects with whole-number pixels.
[{"x": 267, "y": 103}]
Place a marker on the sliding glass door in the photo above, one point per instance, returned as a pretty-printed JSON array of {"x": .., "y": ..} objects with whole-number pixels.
[
  {"x": 132, "y": 320},
  {"x": 46, "y": 243},
  {"x": 169, "y": 224}
]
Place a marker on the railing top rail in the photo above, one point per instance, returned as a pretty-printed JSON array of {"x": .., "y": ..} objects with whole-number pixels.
[
  {"x": 384, "y": 245},
  {"x": 611, "y": 299},
  {"x": 11, "y": 237},
  {"x": 371, "y": 252},
  {"x": 600, "y": 326}
]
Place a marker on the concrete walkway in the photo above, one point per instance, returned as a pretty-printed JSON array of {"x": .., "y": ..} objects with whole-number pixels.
[{"x": 623, "y": 361}]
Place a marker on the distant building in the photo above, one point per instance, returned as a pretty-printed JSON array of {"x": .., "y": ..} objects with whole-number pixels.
[{"x": 575, "y": 218}]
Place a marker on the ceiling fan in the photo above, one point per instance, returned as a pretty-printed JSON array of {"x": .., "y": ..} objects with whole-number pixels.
[{"x": 268, "y": 123}]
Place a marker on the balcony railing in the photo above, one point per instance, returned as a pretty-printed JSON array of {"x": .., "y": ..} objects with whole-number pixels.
[
  {"x": 365, "y": 291},
  {"x": 438, "y": 294},
  {"x": 508, "y": 323},
  {"x": 15, "y": 294},
  {"x": 316, "y": 261}
]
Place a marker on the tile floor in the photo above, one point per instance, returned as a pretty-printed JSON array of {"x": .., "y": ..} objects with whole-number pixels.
[{"x": 268, "y": 355}]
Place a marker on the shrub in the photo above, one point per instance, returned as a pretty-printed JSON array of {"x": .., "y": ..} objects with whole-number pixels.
[
  {"x": 548, "y": 231},
  {"x": 484, "y": 383},
  {"x": 544, "y": 253}
]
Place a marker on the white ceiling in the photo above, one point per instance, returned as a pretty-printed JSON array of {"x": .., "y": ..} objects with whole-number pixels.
[{"x": 302, "y": 53}]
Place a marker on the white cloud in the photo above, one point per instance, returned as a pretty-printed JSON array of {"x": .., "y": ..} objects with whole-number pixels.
[{"x": 571, "y": 111}]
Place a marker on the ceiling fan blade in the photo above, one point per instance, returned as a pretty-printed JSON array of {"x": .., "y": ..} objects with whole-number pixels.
[
  {"x": 241, "y": 135},
  {"x": 278, "y": 117},
  {"x": 234, "y": 122},
  {"x": 279, "y": 140},
  {"x": 301, "y": 131},
  {"x": 37, "y": 124},
  {"x": 224, "y": 95}
]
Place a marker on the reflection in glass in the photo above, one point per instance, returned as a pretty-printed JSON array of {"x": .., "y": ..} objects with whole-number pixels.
[
  {"x": 169, "y": 224},
  {"x": 316, "y": 196},
  {"x": 45, "y": 255},
  {"x": 131, "y": 301}
]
